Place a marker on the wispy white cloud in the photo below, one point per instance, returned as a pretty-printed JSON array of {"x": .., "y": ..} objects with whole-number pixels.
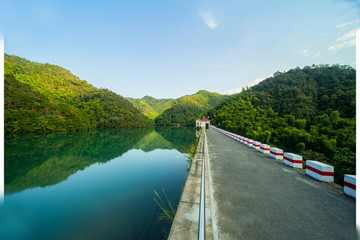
[
  {"x": 341, "y": 25},
  {"x": 345, "y": 37},
  {"x": 304, "y": 52},
  {"x": 347, "y": 40},
  {"x": 209, "y": 20},
  {"x": 338, "y": 46},
  {"x": 316, "y": 54},
  {"x": 258, "y": 80},
  {"x": 253, "y": 83},
  {"x": 212, "y": 66},
  {"x": 231, "y": 91}
]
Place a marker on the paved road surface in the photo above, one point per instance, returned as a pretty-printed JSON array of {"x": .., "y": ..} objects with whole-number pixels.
[{"x": 258, "y": 197}]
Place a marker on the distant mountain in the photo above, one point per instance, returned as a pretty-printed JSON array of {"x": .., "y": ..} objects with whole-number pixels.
[
  {"x": 48, "y": 98},
  {"x": 151, "y": 107},
  {"x": 309, "y": 111},
  {"x": 185, "y": 110}
]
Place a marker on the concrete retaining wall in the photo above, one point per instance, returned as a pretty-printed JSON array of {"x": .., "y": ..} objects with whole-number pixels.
[{"x": 186, "y": 222}]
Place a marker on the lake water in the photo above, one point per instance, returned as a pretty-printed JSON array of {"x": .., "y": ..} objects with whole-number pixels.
[{"x": 92, "y": 185}]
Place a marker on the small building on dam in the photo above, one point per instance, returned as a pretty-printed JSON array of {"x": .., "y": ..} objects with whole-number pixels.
[{"x": 203, "y": 123}]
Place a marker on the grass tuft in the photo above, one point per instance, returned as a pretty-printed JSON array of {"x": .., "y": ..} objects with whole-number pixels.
[{"x": 167, "y": 208}]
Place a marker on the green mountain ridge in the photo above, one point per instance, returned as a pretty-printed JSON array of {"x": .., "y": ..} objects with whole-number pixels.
[
  {"x": 150, "y": 106},
  {"x": 185, "y": 110},
  {"x": 309, "y": 111},
  {"x": 47, "y": 98}
]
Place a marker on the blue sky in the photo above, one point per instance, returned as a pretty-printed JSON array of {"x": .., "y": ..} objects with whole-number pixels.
[{"x": 169, "y": 48}]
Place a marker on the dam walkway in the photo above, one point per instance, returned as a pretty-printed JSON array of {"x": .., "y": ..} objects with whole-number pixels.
[{"x": 257, "y": 197}]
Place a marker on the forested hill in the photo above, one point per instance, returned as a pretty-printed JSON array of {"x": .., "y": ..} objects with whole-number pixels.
[
  {"x": 185, "y": 110},
  {"x": 44, "y": 97},
  {"x": 309, "y": 111},
  {"x": 151, "y": 107}
]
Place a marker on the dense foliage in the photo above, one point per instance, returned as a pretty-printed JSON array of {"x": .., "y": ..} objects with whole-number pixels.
[
  {"x": 309, "y": 111},
  {"x": 185, "y": 110},
  {"x": 151, "y": 107},
  {"x": 48, "y": 98}
]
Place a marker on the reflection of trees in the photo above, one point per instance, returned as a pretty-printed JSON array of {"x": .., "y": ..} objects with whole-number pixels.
[
  {"x": 182, "y": 139},
  {"x": 35, "y": 160},
  {"x": 153, "y": 141}
]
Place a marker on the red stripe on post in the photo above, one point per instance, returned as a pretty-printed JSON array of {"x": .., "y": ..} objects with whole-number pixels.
[
  {"x": 350, "y": 185},
  {"x": 279, "y": 154},
  {"x": 320, "y": 172},
  {"x": 266, "y": 149},
  {"x": 293, "y": 161}
]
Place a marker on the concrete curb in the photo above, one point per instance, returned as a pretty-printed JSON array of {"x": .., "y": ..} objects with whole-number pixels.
[{"x": 185, "y": 224}]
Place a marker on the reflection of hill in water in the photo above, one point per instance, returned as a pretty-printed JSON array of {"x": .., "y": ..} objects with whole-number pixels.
[
  {"x": 35, "y": 160},
  {"x": 182, "y": 139},
  {"x": 153, "y": 141}
]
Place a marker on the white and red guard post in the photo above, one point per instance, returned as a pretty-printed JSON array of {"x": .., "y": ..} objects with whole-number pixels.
[
  {"x": 264, "y": 148},
  {"x": 350, "y": 185},
  {"x": 231, "y": 135},
  {"x": 320, "y": 171},
  {"x": 276, "y": 153},
  {"x": 256, "y": 145},
  {"x": 293, "y": 160},
  {"x": 250, "y": 142},
  {"x": 235, "y": 136}
]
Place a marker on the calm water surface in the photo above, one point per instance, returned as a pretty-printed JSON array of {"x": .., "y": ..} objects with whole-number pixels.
[{"x": 93, "y": 185}]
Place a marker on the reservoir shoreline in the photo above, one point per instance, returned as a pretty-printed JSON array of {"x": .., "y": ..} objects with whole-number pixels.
[{"x": 186, "y": 221}]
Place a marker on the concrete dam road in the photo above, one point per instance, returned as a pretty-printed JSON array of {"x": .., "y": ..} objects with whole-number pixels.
[{"x": 258, "y": 197}]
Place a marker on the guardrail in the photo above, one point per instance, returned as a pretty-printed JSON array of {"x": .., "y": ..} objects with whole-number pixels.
[
  {"x": 201, "y": 229},
  {"x": 276, "y": 153}
]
